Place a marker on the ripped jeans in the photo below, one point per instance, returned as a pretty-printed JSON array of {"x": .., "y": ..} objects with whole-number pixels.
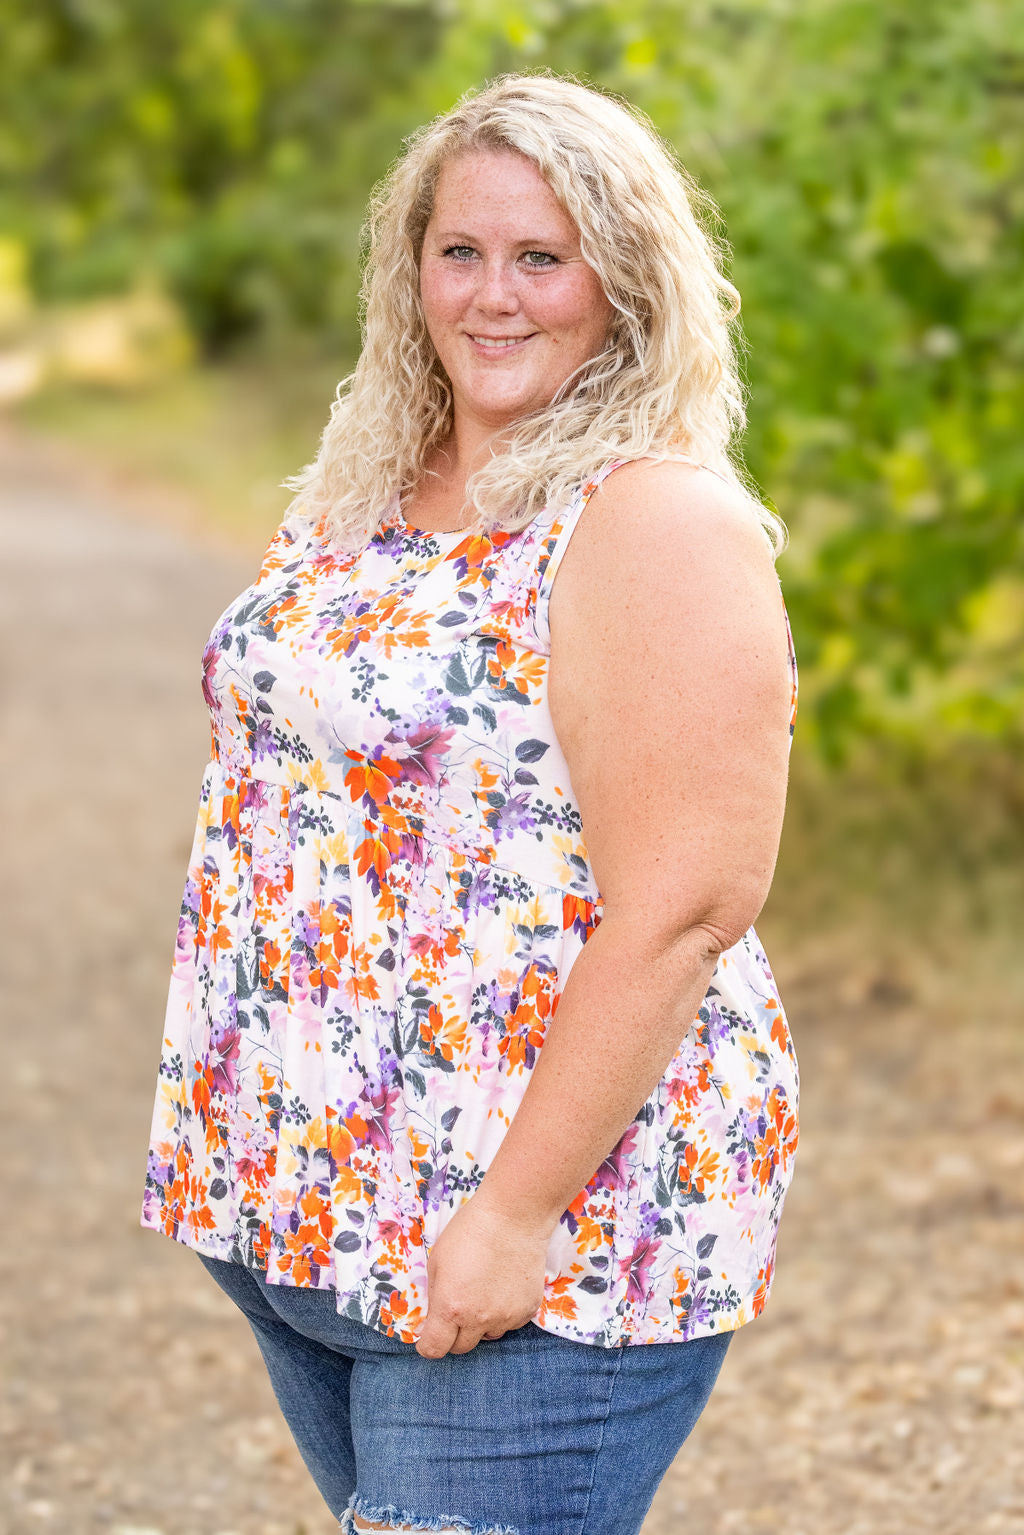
[{"x": 528, "y": 1434}]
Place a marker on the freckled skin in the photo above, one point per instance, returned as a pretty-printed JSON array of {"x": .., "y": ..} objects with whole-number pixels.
[
  {"x": 501, "y": 259},
  {"x": 666, "y": 639}
]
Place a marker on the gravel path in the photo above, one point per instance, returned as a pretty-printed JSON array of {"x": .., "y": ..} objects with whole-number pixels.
[{"x": 880, "y": 1394}]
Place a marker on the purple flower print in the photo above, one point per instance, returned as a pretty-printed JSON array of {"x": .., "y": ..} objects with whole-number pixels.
[
  {"x": 387, "y": 1065},
  {"x": 246, "y": 1144},
  {"x": 717, "y": 1028},
  {"x": 420, "y": 751},
  {"x": 479, "y": 894},
  {"x": 701, "y": 1310},
  {"x": 614, "y": 1170},
  {"x": 158, "y": 1166},
  {"x": 515, "y": 814},
  {"x": 390, "y": 942},
  {"x": 750, "y": 1126},
  {"x": 637, "y": 1268},
  {"x": 210, "y": 657},
  {"x": 190, "y": 898},
  {"x": 408, "y": 849},
  {"x": 224, "y": 1046},
  {"x": 255, "y": 795},
  {"x": 263, "y": 741},
  {"x": 432, "y": 1188},
  {"x": 307, "y": 932},
  {"x": 376, "y": 1108}
]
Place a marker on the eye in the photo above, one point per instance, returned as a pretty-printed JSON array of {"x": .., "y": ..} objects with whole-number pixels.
[
  {"x": 460, "y": 252},
  {"x": 538, "y": 260}
]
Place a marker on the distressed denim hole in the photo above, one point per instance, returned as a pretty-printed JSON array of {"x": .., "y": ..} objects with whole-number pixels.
[{"x": 362, "y": 1519}]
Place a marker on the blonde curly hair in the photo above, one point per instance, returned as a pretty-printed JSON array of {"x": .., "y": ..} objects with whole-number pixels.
[{"x": 666, "y": 384}]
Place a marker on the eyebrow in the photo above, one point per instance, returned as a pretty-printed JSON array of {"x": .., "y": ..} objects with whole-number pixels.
[{"x": 460, "y": 237}]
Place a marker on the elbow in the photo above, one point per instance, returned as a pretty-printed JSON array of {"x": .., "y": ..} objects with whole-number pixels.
[
  {"x": 716, "y": 937},
  {"x": 701, "y": 927},
  {"x": 689, "y": 940},
  {"x": 724, "y": 917},
  {"x": 713, "y": 936},
  {"x": 716, "y": 929}
]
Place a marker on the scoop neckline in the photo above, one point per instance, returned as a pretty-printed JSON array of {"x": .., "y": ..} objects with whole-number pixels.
[
  {"x": 408, "y": 527},
  {"x": 394, "y": 517}
]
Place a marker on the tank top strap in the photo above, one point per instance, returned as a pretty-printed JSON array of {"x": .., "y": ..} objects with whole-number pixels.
[
  {"x": 555, "y": 540},
  {"x": 562, "y": 526},
  {"x": 794, "y": 673}
]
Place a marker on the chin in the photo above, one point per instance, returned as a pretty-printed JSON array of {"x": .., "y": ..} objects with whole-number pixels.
[{"x": 503, "y": 409}]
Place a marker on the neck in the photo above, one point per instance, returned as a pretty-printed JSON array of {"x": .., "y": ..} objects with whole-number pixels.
[{"x": 468, "y": 446}]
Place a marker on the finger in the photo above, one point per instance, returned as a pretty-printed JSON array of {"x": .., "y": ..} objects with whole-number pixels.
[
  {"x": 437, "y": 1337},
  {"x": 465, "y": 1341}
]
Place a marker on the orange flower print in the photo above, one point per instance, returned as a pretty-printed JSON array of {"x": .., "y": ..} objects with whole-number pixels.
[
  {"x": 389, "y": 888},
  {"x": 699, "y": 1168},
  {"x": 764, "y": 1284},
  {"x": 441, "y": 1036},
  {"x": 522, "y": 1037},
  {"x": 370, "y": 779}
]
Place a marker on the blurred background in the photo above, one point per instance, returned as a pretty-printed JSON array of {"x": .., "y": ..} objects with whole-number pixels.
[{"x": 181, "y": 194}]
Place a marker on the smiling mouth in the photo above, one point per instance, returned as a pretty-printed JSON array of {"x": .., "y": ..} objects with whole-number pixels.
[{"x": 499, "y": 343}]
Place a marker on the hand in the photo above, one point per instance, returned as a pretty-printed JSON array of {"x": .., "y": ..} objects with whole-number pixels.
[{"x": 485, "y": 1275}]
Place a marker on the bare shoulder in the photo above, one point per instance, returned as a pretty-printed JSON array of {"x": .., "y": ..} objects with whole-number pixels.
[
  {"x": 648, "y": 505},
  {"x": 668, "y": 642},
  {"x": 671, "y": 529}
]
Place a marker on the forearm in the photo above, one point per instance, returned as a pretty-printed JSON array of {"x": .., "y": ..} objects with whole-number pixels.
[{"x": 626, "y": 1005}]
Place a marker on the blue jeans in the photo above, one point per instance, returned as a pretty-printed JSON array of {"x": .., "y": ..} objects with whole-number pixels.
[{"x": 528, "y": 1434}]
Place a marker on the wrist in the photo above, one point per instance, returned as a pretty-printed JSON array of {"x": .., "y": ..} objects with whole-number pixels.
[{"x": 516, "y": 1206}]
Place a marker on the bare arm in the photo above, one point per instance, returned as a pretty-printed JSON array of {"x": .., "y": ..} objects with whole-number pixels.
[{"x": 669, "y": 692}]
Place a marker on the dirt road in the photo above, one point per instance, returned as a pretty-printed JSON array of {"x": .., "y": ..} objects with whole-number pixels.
[{"x": 881, "y": 1393}]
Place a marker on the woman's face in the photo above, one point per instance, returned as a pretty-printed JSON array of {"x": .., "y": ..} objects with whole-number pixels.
[{"x": 510, "y": 304}]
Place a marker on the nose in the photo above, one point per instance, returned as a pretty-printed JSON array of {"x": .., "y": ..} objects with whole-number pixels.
[{"x": 496, "y": 291}]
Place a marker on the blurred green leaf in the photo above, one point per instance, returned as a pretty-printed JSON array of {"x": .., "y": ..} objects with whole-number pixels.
[{"x": 868, "y": 164}]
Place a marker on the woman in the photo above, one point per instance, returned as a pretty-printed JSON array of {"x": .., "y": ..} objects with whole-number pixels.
[{"x": 477, "y": 1095}]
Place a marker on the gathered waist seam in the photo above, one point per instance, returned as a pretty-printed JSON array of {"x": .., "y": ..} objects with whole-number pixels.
[{"x": 478, "y": 854}]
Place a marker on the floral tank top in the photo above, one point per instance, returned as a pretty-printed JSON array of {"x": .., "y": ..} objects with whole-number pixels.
[{"x": 388, "y": 887}]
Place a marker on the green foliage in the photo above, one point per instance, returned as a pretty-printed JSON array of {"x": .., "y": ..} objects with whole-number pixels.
[
  {"x": 227, "y": 147},
  {"x": 867, "y": 160}
]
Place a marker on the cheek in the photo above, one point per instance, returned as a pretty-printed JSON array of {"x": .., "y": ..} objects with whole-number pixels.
[
  {"x": 580, "y": 309},
  {"x": 437, "y": 298}
]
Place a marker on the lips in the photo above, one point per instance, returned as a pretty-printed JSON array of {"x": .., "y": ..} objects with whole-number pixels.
[{"x": 499, "y": 343}]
